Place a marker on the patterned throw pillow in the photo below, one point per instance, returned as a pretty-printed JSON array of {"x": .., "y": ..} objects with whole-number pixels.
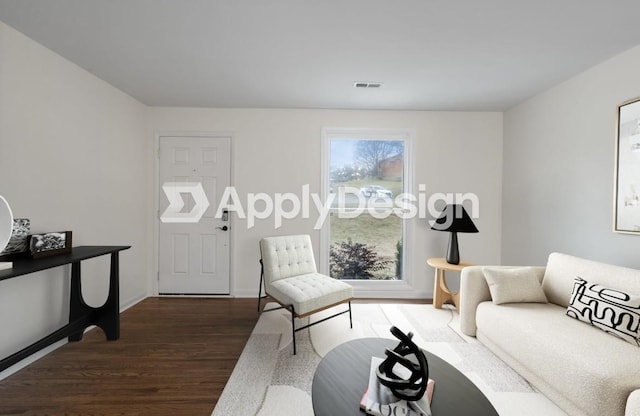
[{"x": 611, "y": 310}]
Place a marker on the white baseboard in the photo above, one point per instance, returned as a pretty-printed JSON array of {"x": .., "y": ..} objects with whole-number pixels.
[
  {"x": 246, "y": 293},
  {"x": 131, "y": 302},
  {"x": 362, "y": 293},
  {"x": 31, "y": 359},
  {"x": 392, "y": 294}
]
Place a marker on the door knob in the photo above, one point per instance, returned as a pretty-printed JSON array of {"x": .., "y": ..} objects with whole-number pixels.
[{"x": 223, "y": 228}]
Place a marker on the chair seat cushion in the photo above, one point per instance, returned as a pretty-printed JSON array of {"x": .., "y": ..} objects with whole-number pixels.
[{"x": 310, "y": 292}]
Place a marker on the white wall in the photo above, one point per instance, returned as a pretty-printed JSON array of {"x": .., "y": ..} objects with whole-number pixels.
[
  {"x": 280, "y": 151},
  {"x": 77, "y": 154},
  {"x": 73, "y": 156},
  {"x": 559, "y": 168}
]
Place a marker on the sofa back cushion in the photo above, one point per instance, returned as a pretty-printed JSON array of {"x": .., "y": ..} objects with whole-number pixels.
[{"x": 562, "y": 269}]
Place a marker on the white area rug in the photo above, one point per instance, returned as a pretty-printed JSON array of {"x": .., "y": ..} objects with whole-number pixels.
[{"x": 269, "y": 380}]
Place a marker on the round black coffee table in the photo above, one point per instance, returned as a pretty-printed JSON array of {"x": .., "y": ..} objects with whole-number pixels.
[{"x": 343, "y": 375}]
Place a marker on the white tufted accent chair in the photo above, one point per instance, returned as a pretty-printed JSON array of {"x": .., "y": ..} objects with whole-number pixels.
[{"x": 290, "y": 277}]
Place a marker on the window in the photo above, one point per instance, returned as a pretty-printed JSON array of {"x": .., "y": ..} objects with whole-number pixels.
[{"x": 365, "y": 174}]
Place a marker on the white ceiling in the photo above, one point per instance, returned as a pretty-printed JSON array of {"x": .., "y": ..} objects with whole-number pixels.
[{"x": 429, "y": 54}]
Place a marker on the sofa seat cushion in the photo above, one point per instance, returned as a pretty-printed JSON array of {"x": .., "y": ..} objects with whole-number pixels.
[
  {"x": 593, "y": 370},
  {"x": 310, "y": 292}
]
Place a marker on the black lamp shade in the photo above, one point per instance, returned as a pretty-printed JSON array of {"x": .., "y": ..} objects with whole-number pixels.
[{"x": 454, "y": 218}]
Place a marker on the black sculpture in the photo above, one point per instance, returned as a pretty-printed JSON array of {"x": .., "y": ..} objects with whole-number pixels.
[{"x": 413, "y": 387}]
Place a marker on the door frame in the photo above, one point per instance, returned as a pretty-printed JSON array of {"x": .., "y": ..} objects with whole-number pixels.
[{"x": 153, "y": 286}]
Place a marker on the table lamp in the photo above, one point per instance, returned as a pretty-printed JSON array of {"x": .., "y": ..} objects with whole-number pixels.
[
  {"x": 454, "y": 218},
  {"x": 6, "y": 228}
]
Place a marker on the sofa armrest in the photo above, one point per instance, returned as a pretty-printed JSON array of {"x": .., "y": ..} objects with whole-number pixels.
[
  {"x": 633, "y": 404},
  {"x": 473, "y": 291}
]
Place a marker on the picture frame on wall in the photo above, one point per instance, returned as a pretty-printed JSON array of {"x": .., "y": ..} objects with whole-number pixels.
[{"x": 627, "y": 169}]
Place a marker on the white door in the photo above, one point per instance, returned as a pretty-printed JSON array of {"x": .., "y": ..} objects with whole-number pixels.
[{"x": 193, "y": 257}]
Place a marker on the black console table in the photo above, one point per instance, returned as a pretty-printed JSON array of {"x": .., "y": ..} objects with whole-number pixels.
[{"x": 81, "y": 315}]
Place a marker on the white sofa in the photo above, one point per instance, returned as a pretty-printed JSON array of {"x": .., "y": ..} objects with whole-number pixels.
[{"x": 581, "y": 368}]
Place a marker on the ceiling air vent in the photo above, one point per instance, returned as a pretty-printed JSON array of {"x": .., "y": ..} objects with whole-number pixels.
[{"x": 367, "y": 84}]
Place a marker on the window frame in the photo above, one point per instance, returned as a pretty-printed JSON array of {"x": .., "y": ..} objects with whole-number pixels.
[{"x": 372, "y": 288}]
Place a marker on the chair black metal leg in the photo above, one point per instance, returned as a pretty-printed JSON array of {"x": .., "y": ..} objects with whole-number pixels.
[
  {"x": 350, "y": 320},
  {"x": 293, "y": 330},
  {"x": 260, "y": 284}
]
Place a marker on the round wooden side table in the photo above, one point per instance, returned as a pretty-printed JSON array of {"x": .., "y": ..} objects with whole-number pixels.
[{"x": 441, "y": 292}]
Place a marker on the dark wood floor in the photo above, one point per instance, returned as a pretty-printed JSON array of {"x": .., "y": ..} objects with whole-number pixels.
[{"x": 174, "y": 357}]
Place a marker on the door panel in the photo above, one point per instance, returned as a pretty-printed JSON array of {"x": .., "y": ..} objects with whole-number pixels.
[{"x": 193, "y": 257}]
